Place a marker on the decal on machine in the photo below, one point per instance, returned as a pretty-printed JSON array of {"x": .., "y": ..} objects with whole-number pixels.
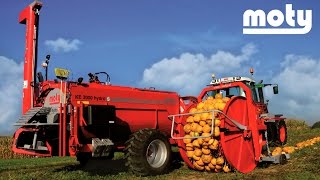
[
  {"x": 55, "y": 99},
  {"x": 85, "y": 97}
]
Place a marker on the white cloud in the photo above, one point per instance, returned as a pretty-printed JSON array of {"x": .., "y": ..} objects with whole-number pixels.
[
  {"x": 188, "y": 73},
  {"x": 63, "y": 45},
  {"x": 299, "y": 84},
  {"x": 10, "y": 94},
  {"x": 299, "y": 78}
]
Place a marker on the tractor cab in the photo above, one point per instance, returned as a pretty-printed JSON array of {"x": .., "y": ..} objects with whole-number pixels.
[
  {"x": 228, "y": 90},
  {"x": 247, "y": 88}
]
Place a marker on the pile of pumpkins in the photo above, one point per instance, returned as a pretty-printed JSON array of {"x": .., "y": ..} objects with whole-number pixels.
[
  {"x": 307, "y": 143},
  {"x": 205, "y": 153},
  {"x": 300, "y": 145}
]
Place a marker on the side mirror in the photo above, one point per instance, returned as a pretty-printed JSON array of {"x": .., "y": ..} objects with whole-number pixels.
[{"x": 275, "y": 89}]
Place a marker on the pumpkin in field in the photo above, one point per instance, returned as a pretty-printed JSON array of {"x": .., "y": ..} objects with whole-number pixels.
[
  {"x": 288, "y": 149},
  {"x": 226, "y": 168},
  {"x": 276, "y": 151}
]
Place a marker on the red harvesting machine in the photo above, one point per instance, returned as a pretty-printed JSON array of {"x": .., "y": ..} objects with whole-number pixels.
[{"x": 95, "y": 119}]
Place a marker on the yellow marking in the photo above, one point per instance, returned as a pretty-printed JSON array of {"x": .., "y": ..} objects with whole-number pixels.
[{"x": 83, "y": 102}]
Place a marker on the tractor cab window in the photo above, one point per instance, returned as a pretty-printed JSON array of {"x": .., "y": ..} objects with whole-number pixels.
[
  {"x": 228, "y": 92},
  {"x": 252, "y": 86}
]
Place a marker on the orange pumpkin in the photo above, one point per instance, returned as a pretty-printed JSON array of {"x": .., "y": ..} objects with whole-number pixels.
[
  {"x": 218, "y": 96},
  {"x": 220, "y": 161},
  {"x": 200, "y": 168},
  {"x": 190, "y": 154},
  {"x": 205, "y": 151},
  {"x": 187, "y": 128},
  {"x": 200, "y": 105},
  {"x": 213, "y": 161},
  {"x": 207, "y": 139},
  {"x": 216, "y": 131},
  {"x": 206, "y": 158},
  {"x": 206, "y": 129},
  {"x": 195, "y": 143},
  {"x": 192, "y": 110},
  {"x": 187, "y": 139},
  {"x": 225, "y": 99},
  {"x": 200, "y": 162},
  {"x": 217, "y": 122},
  {"x": 199, "y": 129},
  {"x": 194, "y": 127},
  {"x": 211, "y": 166},
  {"x": 202, "y": 123},
  {"x": 197, "y": 152},
  {"x": 189, "y": 119},
  {"x": 207, "y": 168},
  {"x": 196, "y": 118}
]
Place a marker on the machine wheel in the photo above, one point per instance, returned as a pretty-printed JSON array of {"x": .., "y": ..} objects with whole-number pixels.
[
  {"x": 148, "y": 153},
  {"x": 282, "y": 133},
  {"x": 83, "y": 158},
  {"x": 283, "y": 159}
]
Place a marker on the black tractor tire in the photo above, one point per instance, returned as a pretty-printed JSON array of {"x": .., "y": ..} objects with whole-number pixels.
[
  {"x": 272, "y": 133},
  {"x": 148, "y": 153},
  {"x": 282, "y": 133},
  {"x": 283, "y": 159},
  {"x": 83, "y": 158}
]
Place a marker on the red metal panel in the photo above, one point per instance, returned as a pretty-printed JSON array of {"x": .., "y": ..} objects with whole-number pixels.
[{"x": 28, "y": 17}]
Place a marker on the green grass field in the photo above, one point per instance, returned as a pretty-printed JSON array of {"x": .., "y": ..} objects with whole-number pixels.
[{"x": 304, "y": 164}]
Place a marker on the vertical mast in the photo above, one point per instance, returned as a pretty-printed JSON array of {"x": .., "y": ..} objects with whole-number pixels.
[{"x": 30, "y": 17}]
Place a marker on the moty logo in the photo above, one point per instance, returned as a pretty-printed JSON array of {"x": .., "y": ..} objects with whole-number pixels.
[{"x": 255, "y": 22}]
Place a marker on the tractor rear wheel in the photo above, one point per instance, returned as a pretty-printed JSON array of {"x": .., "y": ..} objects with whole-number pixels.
[
  {"x": 282, "y": 133},
  {"x": 148, "y": 152}
]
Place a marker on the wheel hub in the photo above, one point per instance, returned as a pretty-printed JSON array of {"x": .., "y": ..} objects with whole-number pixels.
[{"x": 156, "y": 153}]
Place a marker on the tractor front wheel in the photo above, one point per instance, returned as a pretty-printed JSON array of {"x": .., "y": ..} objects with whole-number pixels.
[{"x": 148, "y": 153}]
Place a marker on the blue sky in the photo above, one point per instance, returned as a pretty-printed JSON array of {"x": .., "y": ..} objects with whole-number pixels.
[{"x": 133, "y": 39}]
